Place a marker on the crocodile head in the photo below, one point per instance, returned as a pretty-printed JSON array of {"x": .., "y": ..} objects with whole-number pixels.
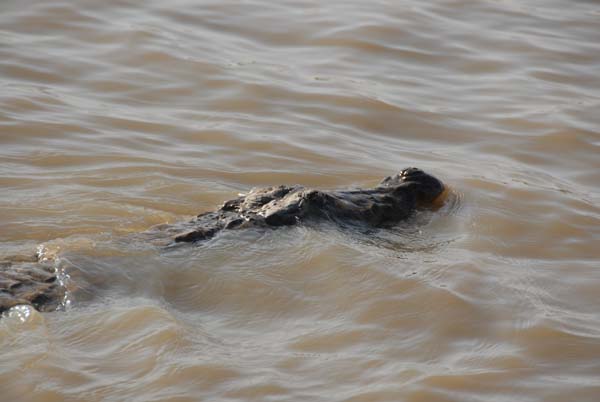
[{"x": 426, "y": 187}]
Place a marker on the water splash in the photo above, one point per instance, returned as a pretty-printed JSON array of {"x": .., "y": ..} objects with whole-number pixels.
[
  {"x": 51, "y": 255},
  {"x": 21, "y": 313}
]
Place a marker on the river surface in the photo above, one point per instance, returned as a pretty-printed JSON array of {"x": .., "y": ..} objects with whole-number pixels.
[{"x": 119, "y": 115}]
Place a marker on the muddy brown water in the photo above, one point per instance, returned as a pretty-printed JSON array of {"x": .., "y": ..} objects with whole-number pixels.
[{"x": 119, "y": 115}]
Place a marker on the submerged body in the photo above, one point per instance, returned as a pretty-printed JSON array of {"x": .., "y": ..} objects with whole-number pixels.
[{"x": 394, "y": 199}]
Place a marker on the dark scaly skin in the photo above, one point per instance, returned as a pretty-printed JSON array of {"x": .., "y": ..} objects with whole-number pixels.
[
  {"x": 31, "y": 283},
  {"x": 393, "y": 200}
]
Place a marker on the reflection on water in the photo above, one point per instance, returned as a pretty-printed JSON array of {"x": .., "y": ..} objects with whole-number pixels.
[{"x": 118, "y": 116}]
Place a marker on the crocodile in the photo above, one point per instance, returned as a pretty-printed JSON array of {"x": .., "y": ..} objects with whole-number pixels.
[{"x": 394, "y": 199}]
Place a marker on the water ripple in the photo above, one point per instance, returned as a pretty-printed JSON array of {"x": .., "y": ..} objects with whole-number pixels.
[{"x": 117, "y": 116}]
